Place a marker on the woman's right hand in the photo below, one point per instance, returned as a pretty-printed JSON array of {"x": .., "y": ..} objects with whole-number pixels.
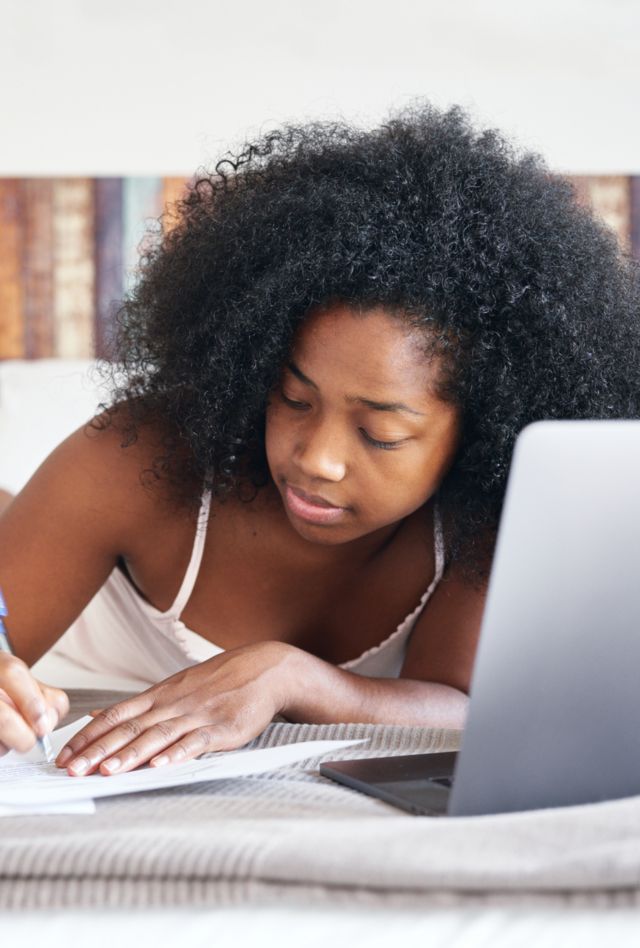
[{"x": 28, "y": 708}]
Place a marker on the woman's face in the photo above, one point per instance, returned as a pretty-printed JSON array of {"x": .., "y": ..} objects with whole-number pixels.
[{"x": 356, "y": 437}]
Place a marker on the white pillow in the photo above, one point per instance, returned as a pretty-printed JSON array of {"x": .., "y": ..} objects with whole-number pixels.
[{"x": 41, "y": 402}]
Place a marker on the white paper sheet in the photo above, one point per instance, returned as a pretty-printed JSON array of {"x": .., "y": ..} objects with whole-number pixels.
[
  {"x": 29, "y": 765},
  {"x": 35, "y": 783},
  {"x": 58, "y": 739}
]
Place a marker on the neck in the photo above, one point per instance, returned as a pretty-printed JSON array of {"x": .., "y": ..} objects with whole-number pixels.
[{"x": 349, "y": 556}]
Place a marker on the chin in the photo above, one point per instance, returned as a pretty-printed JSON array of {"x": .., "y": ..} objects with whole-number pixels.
[{"x": 320, "y": 534}]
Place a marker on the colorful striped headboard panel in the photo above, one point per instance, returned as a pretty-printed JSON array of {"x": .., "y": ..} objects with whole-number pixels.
[{"x": 69, "y": 247}]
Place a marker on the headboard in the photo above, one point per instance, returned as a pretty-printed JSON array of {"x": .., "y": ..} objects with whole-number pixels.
[
  {"x": 68, "y": 252},
  {"x": 69, "y": 249}
]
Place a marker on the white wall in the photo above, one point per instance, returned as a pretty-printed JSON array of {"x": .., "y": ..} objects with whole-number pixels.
[{"x": 163, "y": 86}]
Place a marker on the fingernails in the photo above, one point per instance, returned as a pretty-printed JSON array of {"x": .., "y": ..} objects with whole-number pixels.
[
  {"x": 161, "y": 761},
  {"x": 79, "y": 766},
  {"x": 65, "y": 755},
  {"x": 112, "y": 765}
]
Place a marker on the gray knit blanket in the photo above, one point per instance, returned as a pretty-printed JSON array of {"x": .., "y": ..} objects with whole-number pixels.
[{"x": 293, "y": 836}]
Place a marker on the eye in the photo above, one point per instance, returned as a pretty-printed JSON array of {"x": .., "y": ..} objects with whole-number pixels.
[
  {"x": 297, "y": 406},
  {"x": 385, "y": 445}
]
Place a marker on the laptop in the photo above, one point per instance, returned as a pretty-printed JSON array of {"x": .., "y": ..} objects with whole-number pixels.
[{"x": 554, "y": 706}]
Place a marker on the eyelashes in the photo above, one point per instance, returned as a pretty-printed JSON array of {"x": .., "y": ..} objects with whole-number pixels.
[
  {"x": 383, "y": 445},
  {"x": 298, "y": 406}
]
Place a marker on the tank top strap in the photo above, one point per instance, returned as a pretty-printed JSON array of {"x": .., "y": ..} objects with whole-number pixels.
[
  {"x": 193, "y": 568},
  {"x": 438, "y": 539}
]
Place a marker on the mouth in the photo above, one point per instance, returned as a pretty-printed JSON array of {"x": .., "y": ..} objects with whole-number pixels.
[{"x": 311, "y": 507}]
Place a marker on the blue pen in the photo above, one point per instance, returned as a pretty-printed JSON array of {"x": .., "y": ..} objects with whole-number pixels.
[{"x": 5, "y": 646}]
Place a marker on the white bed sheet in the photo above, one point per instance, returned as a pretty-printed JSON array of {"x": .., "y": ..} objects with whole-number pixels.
[{"x": 288, "y": 927}]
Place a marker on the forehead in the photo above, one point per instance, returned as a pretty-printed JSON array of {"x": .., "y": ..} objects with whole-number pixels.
[{"x": 372, "y": 348}]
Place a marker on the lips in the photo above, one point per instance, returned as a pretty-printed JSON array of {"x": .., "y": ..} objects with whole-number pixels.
[
  {"x": 314, "y": 499},
  {"x": 312, "y": 508}
]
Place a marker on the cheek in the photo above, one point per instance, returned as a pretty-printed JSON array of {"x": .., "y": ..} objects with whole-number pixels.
[
  {"x": 387, "y": 490},
  {"x": 276, "y": 435},
  {"x": 403, "y": 495},
  {"x": 409, "y": 482}
]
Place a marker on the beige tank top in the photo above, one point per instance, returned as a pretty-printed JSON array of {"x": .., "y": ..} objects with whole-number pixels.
[{"x": 120, "y": 634}]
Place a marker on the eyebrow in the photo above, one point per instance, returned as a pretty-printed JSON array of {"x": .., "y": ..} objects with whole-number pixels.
[{"x": 370, "y": 403}]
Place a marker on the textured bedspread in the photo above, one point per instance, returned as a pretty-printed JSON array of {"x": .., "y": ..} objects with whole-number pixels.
[{"x": 293, "y": 836}]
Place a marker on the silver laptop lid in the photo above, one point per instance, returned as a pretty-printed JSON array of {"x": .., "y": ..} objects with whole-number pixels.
[{"x": 554, "y": 715}]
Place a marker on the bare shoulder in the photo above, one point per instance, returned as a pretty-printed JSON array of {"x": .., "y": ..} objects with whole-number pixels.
[
  {"x": 97, "y": 472},
  {"x": 62, "y": 535},
  {"x": 443, "y": 643},
  {"x": 123, "y": 469}
]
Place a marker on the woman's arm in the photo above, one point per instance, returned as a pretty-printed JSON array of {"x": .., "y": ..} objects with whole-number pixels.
[
  {"x": 59, "y": 540},
  {"x": 226, "y": 701},
  {"x": 324, "y": 694},
  {"x": 222, "y": 703},
  {"x": 444, "y": 640}
]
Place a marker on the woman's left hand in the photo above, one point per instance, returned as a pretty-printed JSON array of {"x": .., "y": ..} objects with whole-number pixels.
[{"x": 217, "y": 705}]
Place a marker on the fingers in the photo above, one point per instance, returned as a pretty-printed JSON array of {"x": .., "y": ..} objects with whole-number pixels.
[
  {"x": 5, "y": 697},
  {"x": 174, "y": 721},
  {"x": 14, "y": 730},
  {"x": 24, "y": 708},
  {"x": 110, "y": 729},
  {"x": 170, "y": 741},
  {"x": 128, "y": 746},
  {"x": 57, "y": 700},
  {"x": 152, "y": 747},
  {"x": 203, "y": 740}
]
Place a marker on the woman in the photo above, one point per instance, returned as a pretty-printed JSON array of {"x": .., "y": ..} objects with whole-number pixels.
[{"x": 290, "y": 504}]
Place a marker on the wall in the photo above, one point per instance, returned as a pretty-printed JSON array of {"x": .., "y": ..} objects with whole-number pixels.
[{"x": 163, "y": 86}]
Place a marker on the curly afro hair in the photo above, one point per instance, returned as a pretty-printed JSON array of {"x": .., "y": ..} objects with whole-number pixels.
[{"x": 527, "y": 295}]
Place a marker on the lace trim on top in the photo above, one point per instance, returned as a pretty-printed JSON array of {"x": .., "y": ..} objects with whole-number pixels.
[
  {"x": 175, "y": 629},
  {"x": 172, "y": 625},
  {"x": 407, "y": 622}
]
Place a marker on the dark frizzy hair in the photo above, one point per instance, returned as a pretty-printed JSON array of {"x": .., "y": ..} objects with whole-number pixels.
[{"x": 526, "y": 294}]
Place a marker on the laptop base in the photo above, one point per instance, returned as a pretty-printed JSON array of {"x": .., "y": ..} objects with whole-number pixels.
[{"x": 417, "y": 783}]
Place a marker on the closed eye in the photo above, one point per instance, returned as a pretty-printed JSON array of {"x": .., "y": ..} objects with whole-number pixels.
[
  {"x": 297, "y": 406},
  {"x": 384, "y": 445}
]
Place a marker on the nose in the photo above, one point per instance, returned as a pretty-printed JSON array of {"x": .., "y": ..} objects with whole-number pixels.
[{"x": 320, "y": 453}]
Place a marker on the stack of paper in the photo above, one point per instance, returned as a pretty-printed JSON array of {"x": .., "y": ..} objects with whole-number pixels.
[{"x": 30, "y": 785}]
